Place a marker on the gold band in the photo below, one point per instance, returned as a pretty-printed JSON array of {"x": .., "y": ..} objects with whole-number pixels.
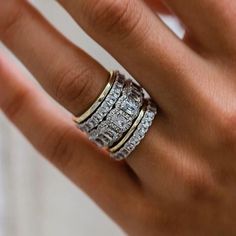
[
  {"x": 98, "y": 101},
  {"x": 130, "y": 132}
]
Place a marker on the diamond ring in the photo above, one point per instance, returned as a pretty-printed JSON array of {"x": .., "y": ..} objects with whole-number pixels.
[{"x": 119, "y": 118}]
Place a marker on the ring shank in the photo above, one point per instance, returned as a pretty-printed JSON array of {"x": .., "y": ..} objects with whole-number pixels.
[{"x": 98, "y": 101}]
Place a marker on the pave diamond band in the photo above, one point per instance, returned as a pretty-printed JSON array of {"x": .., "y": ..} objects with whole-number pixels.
[{"x": 119, "y": 118}]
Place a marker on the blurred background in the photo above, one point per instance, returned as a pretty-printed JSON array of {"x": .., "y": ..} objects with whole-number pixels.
[{"x": 35, "y": 199}]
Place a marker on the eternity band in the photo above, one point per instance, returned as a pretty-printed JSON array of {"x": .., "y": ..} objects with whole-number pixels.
[
  {"x": 137, "y": 135},
  {"x": 119, "y": 118},
  {"x": 98, "y": 101},
  {"x": 106, "y": 105}
]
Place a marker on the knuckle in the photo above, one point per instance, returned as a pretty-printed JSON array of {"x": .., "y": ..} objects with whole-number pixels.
[
  {"x": 226, "y": 129},
  {"x": 10, "y": 15},
  {"x": 58, "y": 146},
  {"x": 198, "y": 189},
  {"x": 114, "y": 17},
  {"x": 72, "y": 87},
  {"x": 199, "y": 183},
  {"x": 11, "y": 107}
]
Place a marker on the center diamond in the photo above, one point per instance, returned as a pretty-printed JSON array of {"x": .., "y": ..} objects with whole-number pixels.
[
  {"x": 130, "y": 106},
  {"x": 119, "y": 120}
]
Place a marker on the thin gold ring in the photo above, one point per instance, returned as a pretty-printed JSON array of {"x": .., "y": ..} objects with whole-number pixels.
[
  {"x": 130, "y": 132},
  {"x": 98, "y": 101}
]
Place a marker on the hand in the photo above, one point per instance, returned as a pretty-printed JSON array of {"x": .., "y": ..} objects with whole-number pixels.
[{"x": 181, "y": 180}]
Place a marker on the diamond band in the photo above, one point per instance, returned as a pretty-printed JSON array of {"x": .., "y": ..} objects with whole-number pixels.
[
  {"x": 129, "y": 133},
  {"x": 106, "y": 105},
  {"x": 98, "y": 101},
  {"x": 119, "y": 118},
  {"x": 138, "y": 134}
]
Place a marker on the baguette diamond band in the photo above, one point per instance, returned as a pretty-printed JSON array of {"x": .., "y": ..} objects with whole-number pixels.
[
  {"x": 119, "y": 118},
  {"x": 138, "y": 134},
  {"x": 98, "y": 101},
  {"x": 106, "y": 105}
]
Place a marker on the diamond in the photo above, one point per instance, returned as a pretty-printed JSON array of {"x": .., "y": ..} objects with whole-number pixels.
[
  {"x": 104, "y": 107},
  {"x": 142, "y": 130},
  {"x": 119, "y": 156},
  {"x": 102, "y": 112},
  {"x": 111, "y": 134},
  {"x": 99, "y": 142},
  {"x": 130, "y": 106},
  {"x": 120, "y": 121},
  {"x": 90, "y": 125},
  {"x": 125, "y": 152},
  {"x": 150, "y": 115},
  {"x": 105, "y": 140},
  {"x": 102, "y": 126},
  {"x": 146, "y": 123},
  {"x": 96, "y": 118},
  {"x": 93, "y": 134}
]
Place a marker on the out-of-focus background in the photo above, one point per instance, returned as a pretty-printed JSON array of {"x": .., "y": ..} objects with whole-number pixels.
[{"x": 35, "y": 199}]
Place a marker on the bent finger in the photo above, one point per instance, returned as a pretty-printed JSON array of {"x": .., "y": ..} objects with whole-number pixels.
[{"x": 52, "y": 132}]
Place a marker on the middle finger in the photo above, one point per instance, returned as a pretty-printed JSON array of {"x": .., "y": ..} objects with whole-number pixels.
[{"x": 140, "y": 41}]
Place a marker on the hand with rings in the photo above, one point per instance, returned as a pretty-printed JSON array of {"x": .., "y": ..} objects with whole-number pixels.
[{"x": 158, "y": 163}]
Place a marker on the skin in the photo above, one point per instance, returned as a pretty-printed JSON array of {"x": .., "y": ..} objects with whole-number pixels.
[{"x": 181, "y": 180}]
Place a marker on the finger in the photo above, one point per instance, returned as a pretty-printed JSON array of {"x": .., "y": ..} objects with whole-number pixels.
[
  {"x": 139, "y": 40},
  {"x": 41, "y": 56},
  {"x": 55, "y": 136},
  {"x": 158, "y": 6},
  {"x": 209, "y": 21},
  {"x": 65, "y": 71}
]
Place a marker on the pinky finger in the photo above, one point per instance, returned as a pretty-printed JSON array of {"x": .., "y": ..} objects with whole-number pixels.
[{"x": 53, "y": 133}]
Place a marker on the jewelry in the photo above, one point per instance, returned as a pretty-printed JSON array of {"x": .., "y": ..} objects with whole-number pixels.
[
  {"x": 106, "y": 105},
  {"x": 98, "y": 101},
  {"x": 129, "y": 133},
  {"x": 120, "y": 119},
  {"x": 138, "y": 134}
]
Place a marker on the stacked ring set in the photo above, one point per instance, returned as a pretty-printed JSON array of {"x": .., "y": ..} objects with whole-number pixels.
[{"x": 119, "y": 118}]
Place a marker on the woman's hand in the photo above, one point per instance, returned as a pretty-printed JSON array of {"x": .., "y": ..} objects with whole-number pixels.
[{"x": 181, "y": 180}]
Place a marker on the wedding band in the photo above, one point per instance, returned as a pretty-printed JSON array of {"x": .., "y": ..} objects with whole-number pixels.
[
  {"x": 119, "y": 118},
  {"x": 106, "y": 105},
  {"x": 98, "y": 101},
  {"x": 138, "y": 134},
  {"x": 129, "y": 133}
]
